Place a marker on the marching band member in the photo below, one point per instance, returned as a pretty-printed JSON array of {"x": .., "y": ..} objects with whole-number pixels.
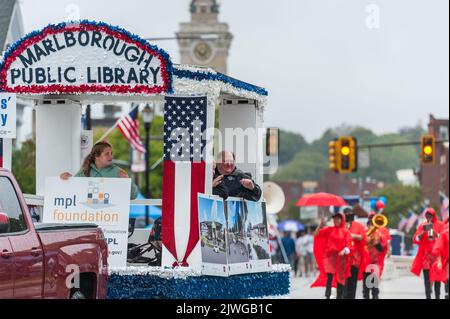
[
  {"x": 379, "y": 207},
  {"x": 425, "y": 236},
  {"x": 377, "y": 243},
  {"x": 331, "y": 249},
  {"x": 358, "y": 253},
  {"x": 440, "y": 250}
]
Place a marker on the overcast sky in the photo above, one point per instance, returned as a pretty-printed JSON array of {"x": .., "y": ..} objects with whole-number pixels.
[{"x": 324, "y": 62}]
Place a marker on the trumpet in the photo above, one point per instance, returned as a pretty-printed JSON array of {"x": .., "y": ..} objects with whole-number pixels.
[{"x": 378, "y": 221}]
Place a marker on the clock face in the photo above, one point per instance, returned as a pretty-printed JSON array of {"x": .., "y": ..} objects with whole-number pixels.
[{"x": 202, "y": 51}]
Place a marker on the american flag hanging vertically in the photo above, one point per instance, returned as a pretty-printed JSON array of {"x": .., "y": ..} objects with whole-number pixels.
[
  {"x": 129, "y": 127},
  {"x": 184, "y": 173}
]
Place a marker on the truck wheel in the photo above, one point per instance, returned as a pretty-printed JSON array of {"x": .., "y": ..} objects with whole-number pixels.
[{"x": 77, "y": 295}]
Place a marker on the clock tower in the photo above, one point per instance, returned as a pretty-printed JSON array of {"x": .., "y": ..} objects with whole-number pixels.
[{"x": 204, "y": 41}]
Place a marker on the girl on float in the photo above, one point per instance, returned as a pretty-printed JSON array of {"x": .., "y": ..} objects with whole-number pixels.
[{"x": 99, "y": 164}]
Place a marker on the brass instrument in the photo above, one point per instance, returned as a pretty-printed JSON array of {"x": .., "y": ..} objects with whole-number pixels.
[{"x": 378, "y": 221}]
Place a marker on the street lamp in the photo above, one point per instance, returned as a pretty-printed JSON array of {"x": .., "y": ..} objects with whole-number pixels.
[{"x": 147, "y": 116}]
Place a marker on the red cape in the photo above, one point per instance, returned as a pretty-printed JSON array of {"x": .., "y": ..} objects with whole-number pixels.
[
  {"x": 327, "y": 245},
  {"x": 425, "y": 246},
  {"x": 374, "y": 256},
  {"x": 359, "y": 256},
  {"x": 385, "y": 242},
  {"x": 440, "y": 249}
]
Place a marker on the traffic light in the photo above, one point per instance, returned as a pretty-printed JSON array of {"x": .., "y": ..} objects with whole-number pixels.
[
  {"x": 427, "y": 149},
  {"x": 332, "y": 155},
  {"x": 347, "y": 160}
]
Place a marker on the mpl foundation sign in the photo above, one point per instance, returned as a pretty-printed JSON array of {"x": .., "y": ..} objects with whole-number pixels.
[
  {"x": 102, "y": 201},
  {"x": 85, "y": 57}
]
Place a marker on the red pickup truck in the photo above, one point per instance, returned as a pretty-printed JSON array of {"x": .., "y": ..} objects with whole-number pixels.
[{"x": 47, "y": 260}]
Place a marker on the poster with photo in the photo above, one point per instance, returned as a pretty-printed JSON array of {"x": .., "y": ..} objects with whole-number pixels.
[
  {"x": 213, "y": 236},
  {"x": 257, "y": 236},
  {"x": 237, "y": 250}
]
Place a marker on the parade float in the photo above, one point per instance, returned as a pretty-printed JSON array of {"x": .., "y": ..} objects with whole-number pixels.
[{"x": 65, "y": 66}]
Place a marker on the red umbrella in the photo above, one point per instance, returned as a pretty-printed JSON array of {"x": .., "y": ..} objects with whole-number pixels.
[{"x": 321, "y": 199}]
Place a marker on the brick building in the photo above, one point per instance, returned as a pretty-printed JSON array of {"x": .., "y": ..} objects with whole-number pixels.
[
  {"x": 343, "y": 184},
  {"x": 434, "y": 177},
  {"x": 339, "y": 184}
]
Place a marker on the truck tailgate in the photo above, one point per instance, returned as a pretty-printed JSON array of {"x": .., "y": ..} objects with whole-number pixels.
[{"x": 72, "y": 245}]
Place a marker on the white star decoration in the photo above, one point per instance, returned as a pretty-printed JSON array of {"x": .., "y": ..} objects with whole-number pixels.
[{"x": 184, "y": 121}]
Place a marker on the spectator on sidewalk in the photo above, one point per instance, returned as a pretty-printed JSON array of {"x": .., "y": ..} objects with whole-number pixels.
[
  {"x": 308, "y": 240},
  {"x": 289, "y": 248},
  {"x": 300, "y": 251}
]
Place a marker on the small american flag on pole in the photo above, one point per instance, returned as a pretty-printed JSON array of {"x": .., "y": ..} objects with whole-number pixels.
[
  {"x": 129, "y": 127},
  {"x": 412, "y": 219},
  {"x": 185, "y": 121},
  {"x": 402, "y": 223}
]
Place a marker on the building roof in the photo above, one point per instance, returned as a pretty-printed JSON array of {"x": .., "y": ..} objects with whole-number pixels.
[{"x": 6, "y": 12}]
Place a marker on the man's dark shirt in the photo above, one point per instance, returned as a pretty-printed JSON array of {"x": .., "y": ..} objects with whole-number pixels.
[{"x": 231, "y": 186}]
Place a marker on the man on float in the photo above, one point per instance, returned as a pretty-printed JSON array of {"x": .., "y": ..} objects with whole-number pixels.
[{"x": 230, "y": 181}]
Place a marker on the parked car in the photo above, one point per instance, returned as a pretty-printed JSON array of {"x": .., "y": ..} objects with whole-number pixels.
[{"x": 44, "y": 260}]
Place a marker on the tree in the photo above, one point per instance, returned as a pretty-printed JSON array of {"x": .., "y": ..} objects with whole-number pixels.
[
  {"x": 363, "y": 135},
  {"x": 290, "y": 145},
  {"x": 121, "y": 151},
  {"x": 24, "y": 166},
  {"x": 384, "y": 162},
  {"x": 305, "y": 166},
  {"x": 400, "y": 199},
  {"x": 290, "y": 212}
]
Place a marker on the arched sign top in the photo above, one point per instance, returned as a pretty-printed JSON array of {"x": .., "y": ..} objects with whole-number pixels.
[{"x": 85, "y": 57}]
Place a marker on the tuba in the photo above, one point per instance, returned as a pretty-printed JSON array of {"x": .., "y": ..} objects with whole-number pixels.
[{"x": 378, "y": 221}]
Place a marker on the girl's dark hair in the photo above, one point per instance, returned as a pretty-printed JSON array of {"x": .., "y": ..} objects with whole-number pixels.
[{"x": 96, "y": 151}]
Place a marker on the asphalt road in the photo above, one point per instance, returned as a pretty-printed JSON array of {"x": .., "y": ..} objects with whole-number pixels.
[
  {"x": 237, "y": 253},
  {"x": 408, "y": 287},
  {"x": 210, "y": 256}
]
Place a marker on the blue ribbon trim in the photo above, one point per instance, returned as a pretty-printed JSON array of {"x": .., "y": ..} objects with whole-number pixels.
[
  {"x": 203, "y": 287},
  {"x": 201, "y": 76}
]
